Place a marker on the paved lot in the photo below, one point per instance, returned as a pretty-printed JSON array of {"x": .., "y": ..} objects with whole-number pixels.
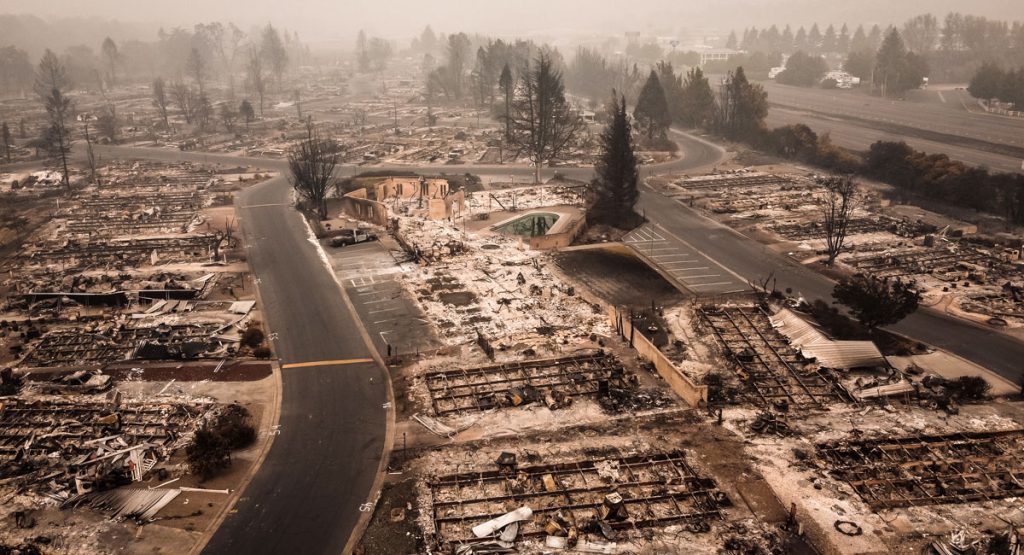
[
  {"x": 369, "y": 274},
  {"x": 677, "y": 259}
]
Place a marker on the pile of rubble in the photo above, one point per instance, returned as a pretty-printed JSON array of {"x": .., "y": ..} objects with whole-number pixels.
[
  {"x": 491, "y": 285},
  {"x": 61, "y": 448}
]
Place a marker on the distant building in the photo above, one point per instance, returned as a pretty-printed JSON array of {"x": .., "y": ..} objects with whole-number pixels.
[
  {"x": 717, "y": 55},
  {"x": 843, "y": 80}
]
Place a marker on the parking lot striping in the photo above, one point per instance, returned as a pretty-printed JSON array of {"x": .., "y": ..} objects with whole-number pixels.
[
  {"x": 714, "y": 284},
  {"x": 341, "y": 362},
  {"x": 685, "y": 277},
  {"x": 392, "y": 309}
]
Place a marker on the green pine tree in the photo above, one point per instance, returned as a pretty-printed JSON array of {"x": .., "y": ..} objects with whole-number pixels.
[
  {"x": 614, "y": 192},
  {"x": 651, "y": 112}
]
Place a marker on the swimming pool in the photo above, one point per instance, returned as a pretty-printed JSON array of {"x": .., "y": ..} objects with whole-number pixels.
[{"x": 529, "y": 225}]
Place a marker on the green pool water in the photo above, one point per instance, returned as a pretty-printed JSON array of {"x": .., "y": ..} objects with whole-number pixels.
[{"x": 529, "y": 225}]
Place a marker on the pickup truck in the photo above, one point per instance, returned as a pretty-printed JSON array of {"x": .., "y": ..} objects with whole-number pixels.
[{"x": 351, "y": 237}]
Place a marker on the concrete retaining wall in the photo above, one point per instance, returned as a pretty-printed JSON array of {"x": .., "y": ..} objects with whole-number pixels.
[
  {"x": 695, "y": 395},
  {"x": 558, "y": 240}
]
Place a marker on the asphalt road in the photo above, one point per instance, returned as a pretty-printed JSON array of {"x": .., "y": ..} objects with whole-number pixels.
[
  {"x": 932, "y": 121},
  {"x": 950, "y": 112},
  {"x": 306, "y": 496},
  {"x": 753, "y": 261}
]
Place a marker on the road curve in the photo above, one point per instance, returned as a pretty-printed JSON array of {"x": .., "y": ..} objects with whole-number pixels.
[{"x": 306, "y": 497}]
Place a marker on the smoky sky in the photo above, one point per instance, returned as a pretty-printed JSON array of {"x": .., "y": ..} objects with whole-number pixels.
[{"x": 341, "y": 19}]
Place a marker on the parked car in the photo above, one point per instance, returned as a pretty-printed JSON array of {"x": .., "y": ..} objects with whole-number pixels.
[
  {"x": 351, "y": 237},
  {"x": 82, "y": 381}
]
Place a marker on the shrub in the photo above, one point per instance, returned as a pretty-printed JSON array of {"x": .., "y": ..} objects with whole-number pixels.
[
  {"x": 207, "y": 454},
  {"x": 253, "y": 336}
]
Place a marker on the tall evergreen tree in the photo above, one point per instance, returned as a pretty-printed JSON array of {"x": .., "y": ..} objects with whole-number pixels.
[
  {"x": 51, "y": 85},
  {"x": 698, "y": 100},
  {"x": 614, "y": 192},
  {"x": 896, "y": 70},
  {"x": 986, "y": 82},
  {"x": 741, "y": 108},
  {"x": 651, "y": 112},
  {"x": 672, "y": 84}
]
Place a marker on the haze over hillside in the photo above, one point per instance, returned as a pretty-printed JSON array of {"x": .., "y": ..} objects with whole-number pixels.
[{"x": 326, "y": 19}]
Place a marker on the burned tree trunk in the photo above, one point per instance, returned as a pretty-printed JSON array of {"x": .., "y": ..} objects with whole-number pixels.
[
  {"x": 838, "y": 204},
  {"x": 312, "y": 162}
]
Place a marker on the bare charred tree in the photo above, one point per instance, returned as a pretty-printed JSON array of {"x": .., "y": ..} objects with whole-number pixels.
[
  {"x": 544, "y": 125},
  {"x": 837, "y": 206},
  {"x": 51, "y": 83},
  {"x": 160, "y": 99},
  {"x": 196, "y": 66},
  {"x": 203, "y": 111},
  {"x": 228, "y": 116},
  {"x": 273, "y": 51},
  {"x": 5, "y": 138},
  {"x": 185, "y": 97},
  {"x": 107, "y": 124},
  {"x": 508, "y": 87},
  {"x": 90, "y": 156},
  {"x": 257, "y": 77},
  {"x": 312, "y": 162}
]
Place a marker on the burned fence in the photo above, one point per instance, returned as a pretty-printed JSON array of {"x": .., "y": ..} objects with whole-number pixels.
[
  {"x": 920, "y": 470},
  {"x": 514, "y": 383},
  {"x": 603, "y": 495},
  {"x": 777, "y": 374}
]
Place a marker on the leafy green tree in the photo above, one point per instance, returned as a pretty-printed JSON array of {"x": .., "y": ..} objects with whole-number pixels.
[
  {"x": 877, "y": 301},
  {"x": 614, "y": 191},
  {"x": 698, "y": 102},
  {"x": 803, "y": 70},
  {"x": 896, "y": 70},
  {"x": 207, "y": 454},
  {"x": 651, "y": 111},
  {"x": 672, "y": 84},
  {"x": 741, "y": 108},
  {"x": 860, "y": 63},
  {"x": 247, "y": 112},
  {"x": 986, "y": 82}
]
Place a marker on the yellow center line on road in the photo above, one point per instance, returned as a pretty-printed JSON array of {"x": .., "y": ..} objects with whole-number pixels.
[{"x": 326, "y": 363}]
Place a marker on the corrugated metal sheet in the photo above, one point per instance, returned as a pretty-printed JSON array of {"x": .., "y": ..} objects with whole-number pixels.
[
  {"x": 844, "y": 354},
  {"x": 141, "y": 504},
  {"x": 796, "y": 329},
  {"x": 813, "y": 343}
]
